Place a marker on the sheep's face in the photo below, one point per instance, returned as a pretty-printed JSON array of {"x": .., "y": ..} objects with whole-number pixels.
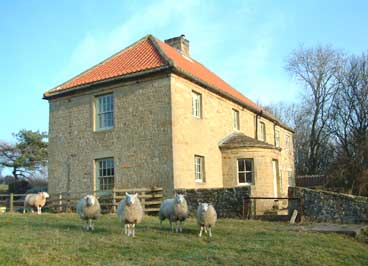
[
  {"x": 131, "y": 198},
  {"x": 204, "y": 207},
  {"x": 44, "y": 195},
  {"x": 90, "y": 200},
  {"x": 179, "y": 198}
]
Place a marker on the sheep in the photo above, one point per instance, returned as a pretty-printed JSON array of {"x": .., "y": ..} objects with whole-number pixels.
[
  {"x": 89, "y": 209},
  {"x": 130, "y": 212},
  {"x": 35, "y": 200},
  {"x": 174, "y": 210},
  {"x": 206, "y": 218}
]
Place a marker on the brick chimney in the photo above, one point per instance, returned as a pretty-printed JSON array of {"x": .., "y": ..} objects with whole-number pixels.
[{"x": 179, "y": 43}]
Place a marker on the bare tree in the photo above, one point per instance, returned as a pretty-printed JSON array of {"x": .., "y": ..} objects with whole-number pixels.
[
  {"x": 317, "y": 70},
  {"x": 349, "y": 125}
]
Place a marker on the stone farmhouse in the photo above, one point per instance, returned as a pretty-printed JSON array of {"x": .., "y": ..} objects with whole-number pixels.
[{"x": 151, "y": 115}]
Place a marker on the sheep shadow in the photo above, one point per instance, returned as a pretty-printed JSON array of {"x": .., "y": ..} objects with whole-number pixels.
[
  {"x": 167, "y": 229},
  {"x": 69, "y": 227}
]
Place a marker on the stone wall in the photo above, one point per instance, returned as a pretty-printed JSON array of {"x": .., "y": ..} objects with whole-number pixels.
[
  {"x": 140, "y": 142},
  {"x": 228, "y": 202},
  {"x": 326, "y": 206}
]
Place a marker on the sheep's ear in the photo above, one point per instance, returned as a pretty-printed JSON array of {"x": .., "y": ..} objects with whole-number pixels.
[
  {"x": 136, "y": 195},
  {"x": 126, "y": 194}
]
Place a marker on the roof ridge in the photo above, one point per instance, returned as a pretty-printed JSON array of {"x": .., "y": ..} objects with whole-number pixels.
[
  {"x": 98, "y": 64},
  {"x": 160, "y": 51}
]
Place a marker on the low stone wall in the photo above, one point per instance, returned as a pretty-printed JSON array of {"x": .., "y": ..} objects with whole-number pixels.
[
  {"x": 326, "y": 206},
  {"x": 228, "y": 202}
]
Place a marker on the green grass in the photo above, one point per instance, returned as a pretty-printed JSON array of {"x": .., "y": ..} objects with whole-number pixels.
[{"x": 58, "y": 239}]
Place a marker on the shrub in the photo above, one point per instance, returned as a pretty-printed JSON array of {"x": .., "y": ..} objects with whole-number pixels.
[{"x": 19, "y": 186}]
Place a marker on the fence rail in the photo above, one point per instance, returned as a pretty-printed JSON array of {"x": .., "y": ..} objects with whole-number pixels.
[{"x": 66, "y": 201}]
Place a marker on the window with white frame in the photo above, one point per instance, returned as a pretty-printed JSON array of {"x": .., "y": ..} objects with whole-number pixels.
[
  {"x": 262, "y": 131},
  {"x": 236, "y": 119},
  {"x": 199, "y": 168},
  {"x": 104, "y": 111},
  {"x": 105, "y": 174},
  {"x": 277, "y": 137},
  {"x": 196, "y": 104},
  {"x": 245, "y": 171}
]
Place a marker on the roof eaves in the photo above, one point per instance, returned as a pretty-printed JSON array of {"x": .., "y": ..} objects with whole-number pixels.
[
  {"x": 240, "y": 146},
  {"x": 48, "y": 95}
]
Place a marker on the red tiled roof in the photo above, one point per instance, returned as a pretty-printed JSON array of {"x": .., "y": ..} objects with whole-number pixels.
[
  {"x": 138, "y": 57},
  {"x": 149, "y": 53}
]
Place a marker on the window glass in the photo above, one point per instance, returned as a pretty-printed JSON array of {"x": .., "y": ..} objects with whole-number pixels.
[
  {"x": 245, "y": 171},
  {"x": 105, "y": 174},
  {"x": 199, "y": 168},
  {"x": 104, "y": 111},
  {"x": 196, "y": 104}
]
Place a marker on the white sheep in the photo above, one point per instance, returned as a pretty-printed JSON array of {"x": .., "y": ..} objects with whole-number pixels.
[
  {"x": 35, "y": 201},
  {"x": 130, "y": 212},
  {"x": 206, "y": 218},
  {"x": 175, "y": 210},
  {"x": 89, "y": 209}
]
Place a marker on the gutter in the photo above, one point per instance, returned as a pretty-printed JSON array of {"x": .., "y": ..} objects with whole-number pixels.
[{"x": 48, "y": 96}]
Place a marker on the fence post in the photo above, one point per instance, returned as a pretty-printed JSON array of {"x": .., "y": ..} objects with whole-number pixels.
[
  {"x": 113, "y": 209},
  {"x": 143, "y": 200},
  {"x": 60, "y": 202},
  {"x": 11, "y": 202}
]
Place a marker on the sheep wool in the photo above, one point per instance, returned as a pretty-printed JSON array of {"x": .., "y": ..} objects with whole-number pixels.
[
  {"x": 130, "y": 212},
  {"x": 206, "y": 218},
  {"x": 35, "y": 201},
  {"x": 175, "y": 210},
  {"x": 88, "y": 209}
]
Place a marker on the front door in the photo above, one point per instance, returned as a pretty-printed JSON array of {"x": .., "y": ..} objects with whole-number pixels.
[{"x": 276, "y": 178}]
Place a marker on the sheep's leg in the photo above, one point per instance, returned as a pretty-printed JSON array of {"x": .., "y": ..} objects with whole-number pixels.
[
  {"x": 24, "y": 210},
  {"x": 181, "y": 226},
  {"x": 38, "y": 210},
  {"x": 210, "y": 231},
  {"x": 205, "y": 229},
  {"x": 126, "y": 229},
  {"x": 90, "y": 224},
  {"x": 86, "y": 226},
  {"x": 177, "y": 227},
  {"x": 172, "y": 226},
  {"x": 129, "y": 230},
  {"x": 133, "y": 230},
  {"x": 200, "y": 232}
]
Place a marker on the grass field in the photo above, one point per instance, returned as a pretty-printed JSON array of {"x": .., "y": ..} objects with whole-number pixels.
[{"x": 58, "y": 239}]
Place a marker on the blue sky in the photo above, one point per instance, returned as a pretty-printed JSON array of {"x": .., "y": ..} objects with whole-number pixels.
[{"x": 245, "y": 42}]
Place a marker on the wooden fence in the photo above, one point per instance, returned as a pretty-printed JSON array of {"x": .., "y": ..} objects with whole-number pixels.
[{"x": 66, "y": 201}]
